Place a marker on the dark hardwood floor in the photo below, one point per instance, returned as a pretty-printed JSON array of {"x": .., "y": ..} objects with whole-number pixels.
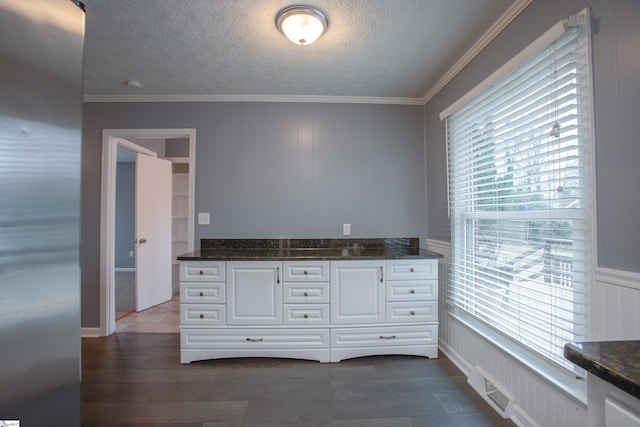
[{"x": 137, "y": 379}]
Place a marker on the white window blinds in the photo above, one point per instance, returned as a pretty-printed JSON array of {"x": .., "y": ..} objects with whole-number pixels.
[{"x": 520, "y": 199}]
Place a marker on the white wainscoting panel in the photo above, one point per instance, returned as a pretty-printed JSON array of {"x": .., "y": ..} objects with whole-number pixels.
[{"x": 616, "y": 301}]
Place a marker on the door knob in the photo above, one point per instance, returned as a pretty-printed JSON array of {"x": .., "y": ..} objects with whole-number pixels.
[{"x": 141, "y": 241}]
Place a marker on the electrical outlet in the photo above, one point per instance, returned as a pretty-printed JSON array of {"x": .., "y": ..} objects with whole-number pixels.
[
  {"x": 346, "y": 229},
  {"x": 130, "y": 254},
  {"x": 204, "y": 218}
]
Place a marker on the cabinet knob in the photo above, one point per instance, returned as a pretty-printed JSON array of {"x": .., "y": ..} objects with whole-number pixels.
[
  {"x": 201, "y": 294},
  {"x": 306, "y": 316},
  {"x": 412, "y": 269},
  {"x": 306, "y": 294},
  {"x": 413, "y": 312},
  {"x": 201, "y": 316},
  {"x": 201, "y": 272},
  {"x": 305, "y": 272},
  {"x": 413, "y": 291}
]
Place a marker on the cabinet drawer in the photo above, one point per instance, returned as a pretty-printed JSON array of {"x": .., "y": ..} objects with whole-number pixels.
[
  {"x": 306, "y": 271},
  {"x": 412, "y": 290},
  {"x": 305, "y": 292},
  {"x": 202, "y": 271},
  {"x": 202, "y": 314},
  {"x": 423, "y": 311},
  {"x": 412, "y": 269},
  {"x": 254, "y": 338},
  {"x": 306, "y": 314},
  {"x": 211, "y": 293},
  {"x": 384, "y": 336}
]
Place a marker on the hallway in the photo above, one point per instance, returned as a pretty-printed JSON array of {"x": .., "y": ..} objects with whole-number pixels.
[{"x": 163, "y": 318}]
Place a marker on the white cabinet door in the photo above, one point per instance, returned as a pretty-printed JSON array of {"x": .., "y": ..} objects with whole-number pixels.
[
  {"x": 357, "y": 292},
  {"x": 254, "y": 293},
  {"x": 153, "y": 231}
]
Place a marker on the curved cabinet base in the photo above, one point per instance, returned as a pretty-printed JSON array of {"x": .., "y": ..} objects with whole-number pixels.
[
  {"x": 203, "y": 344},
  {"x": 417, "y": 340},
  {"x": 430, "y": 351},
  {"x": 193, "y": 355}
]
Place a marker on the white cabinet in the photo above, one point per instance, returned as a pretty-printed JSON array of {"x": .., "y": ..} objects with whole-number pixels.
[
  {"x": 357, "y": 293},
  {"x": 202, "y": 297},
  {"x": 401, "y": 300},
  {"x": 306, "y": 293},
  {"x": 610, "y": 406},
  {"x": 412, "y": 291},
  {"x": 319, "y": 310},
  {"x": 254, "y": 293}
]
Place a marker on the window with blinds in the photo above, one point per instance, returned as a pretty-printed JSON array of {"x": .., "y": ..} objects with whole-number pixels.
[{"x": 520, "y": 200}]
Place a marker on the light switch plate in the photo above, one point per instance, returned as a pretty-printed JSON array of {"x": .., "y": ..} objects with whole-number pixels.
[
  {"x": 346, "y": 229},
  {"x": 204, "y": 218}
]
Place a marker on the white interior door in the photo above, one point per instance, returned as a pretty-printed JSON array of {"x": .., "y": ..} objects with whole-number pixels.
[{"x": 153, "y": 231}]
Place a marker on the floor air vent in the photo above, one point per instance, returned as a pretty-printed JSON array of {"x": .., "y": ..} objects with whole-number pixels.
[{"x": 491, "y": 392}]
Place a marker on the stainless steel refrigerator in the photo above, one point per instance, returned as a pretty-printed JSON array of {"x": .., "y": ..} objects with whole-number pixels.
[{"x": 41, "y": 47}]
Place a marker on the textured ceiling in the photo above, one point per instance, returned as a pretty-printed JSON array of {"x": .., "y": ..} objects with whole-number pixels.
[{"x": 373, "y": 48}]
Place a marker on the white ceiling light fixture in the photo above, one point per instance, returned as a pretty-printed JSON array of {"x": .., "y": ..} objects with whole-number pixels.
[
  {"x": 132, "y": 84},
  {"x": 302, "y": 24}
]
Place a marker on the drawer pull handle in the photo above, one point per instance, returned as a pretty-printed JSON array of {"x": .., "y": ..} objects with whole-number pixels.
[
  {"x": 412, "y": 269},
  {"x": 255, "y": 339},
  {"x": 387, "y": 337},
  {"x": 413, "y": 291},
  {"x": 201, "y": 316},
  {"x": 305, "y": 272},
  {"x": 306, "y": 294},
  {"x": 413, "y": 312},
  {"x": 201, "y": 272},
  {"x": 201, "y": 294},
  {"x": 306, "y": 316}
]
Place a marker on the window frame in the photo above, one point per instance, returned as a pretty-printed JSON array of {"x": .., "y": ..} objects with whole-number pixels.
[{"x": 548, "y": 37}]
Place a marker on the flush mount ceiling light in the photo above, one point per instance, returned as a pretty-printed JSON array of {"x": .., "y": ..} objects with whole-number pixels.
[
  {"x": 132, "y": 84},
  {"x": 302, "y": 24}
]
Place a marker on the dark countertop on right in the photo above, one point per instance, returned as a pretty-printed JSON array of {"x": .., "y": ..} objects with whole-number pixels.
[{"x": 616, "y": 362}]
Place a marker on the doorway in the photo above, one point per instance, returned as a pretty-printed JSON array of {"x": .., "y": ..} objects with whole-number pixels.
[{"x": 112, "y": 140}]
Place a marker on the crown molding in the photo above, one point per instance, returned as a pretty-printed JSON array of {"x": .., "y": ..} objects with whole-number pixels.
[
  {"x": 509, "y": 15},
  {"x": 254, "y": 98}
]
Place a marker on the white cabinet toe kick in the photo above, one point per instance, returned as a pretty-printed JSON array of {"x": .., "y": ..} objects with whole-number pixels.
[{"x": 318, "y": 310}]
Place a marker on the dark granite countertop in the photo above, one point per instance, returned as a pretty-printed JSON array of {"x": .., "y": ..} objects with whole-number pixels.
[
  {"x": 308, "y": 249},
  {"x": 616, "y": 362}
]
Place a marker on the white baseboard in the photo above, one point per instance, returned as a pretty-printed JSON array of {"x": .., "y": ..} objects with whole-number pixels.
[
  {"x": 90, "y": 332},
  {"x": 455, "y": 358}
]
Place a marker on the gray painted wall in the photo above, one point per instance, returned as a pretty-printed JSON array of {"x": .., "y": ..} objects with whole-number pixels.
[
  {"x": 271, "y": 170},
  {"x": 125, "y": 214},
  {"x": 177, "y": 147},
  {"x": 616, "y": 54},
  {"x": 157, "y": 145}
]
